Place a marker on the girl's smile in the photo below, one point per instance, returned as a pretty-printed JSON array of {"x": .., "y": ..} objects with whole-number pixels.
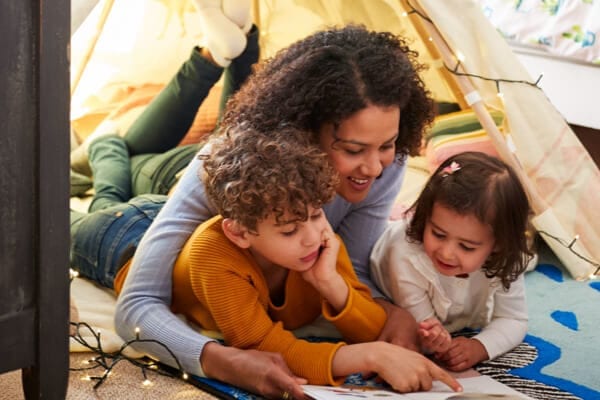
[{"x": 456, "y": 244}]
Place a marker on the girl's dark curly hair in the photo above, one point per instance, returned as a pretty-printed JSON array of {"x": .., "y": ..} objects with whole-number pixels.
[
  {"x": 489, "y": 189},
  {"x": 250, "y": 175},
  {"x": 330, "y": 75}
]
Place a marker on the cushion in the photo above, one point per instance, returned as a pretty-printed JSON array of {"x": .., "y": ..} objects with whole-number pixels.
[{"x": 457, "y": 132}]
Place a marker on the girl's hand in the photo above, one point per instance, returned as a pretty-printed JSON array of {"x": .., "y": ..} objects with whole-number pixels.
[
  {"x": 434, "y": 337},
  {"x": 463, "y": 354}
]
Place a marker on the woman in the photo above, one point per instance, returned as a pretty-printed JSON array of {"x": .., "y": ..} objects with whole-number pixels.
[{"x": 359, "y": 94}]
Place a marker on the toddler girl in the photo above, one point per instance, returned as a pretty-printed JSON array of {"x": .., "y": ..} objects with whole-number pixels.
[{"x": 456, "y": 260}]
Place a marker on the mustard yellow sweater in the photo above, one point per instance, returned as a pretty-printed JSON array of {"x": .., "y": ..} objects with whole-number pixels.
[{"x": 220, "y": 287}]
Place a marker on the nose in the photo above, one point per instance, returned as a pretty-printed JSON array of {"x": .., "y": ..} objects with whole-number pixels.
[
  {"x": 312, "y": 234},
  {"x": 372, "y": 164},
  {"x": 446, "y": 252}
]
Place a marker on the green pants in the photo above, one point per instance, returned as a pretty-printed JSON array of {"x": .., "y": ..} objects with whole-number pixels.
[{"x": 152, "y": 140}]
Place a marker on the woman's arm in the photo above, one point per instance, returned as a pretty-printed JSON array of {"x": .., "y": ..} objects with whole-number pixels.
[
  {"x": 145, "y": 300},
  {"x": 260, "y": 372}
]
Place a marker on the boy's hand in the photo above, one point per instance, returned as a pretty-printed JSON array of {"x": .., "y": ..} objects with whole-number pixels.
[
  {"x": 434, "y": 337},
  {"x": 324, "y": 269},
  {"x": 463, "y": 354},
  {"x": 404, "y": 370},
  {"x": 323, "y": 275}
]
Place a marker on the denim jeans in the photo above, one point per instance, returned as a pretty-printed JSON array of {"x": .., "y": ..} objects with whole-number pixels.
[{"x": 101, "y": 242}]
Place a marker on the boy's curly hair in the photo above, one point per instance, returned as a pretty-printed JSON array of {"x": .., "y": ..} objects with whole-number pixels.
[
  {"x": 491, "y": 190},
  {"x": 250, "y": 175},
  {"x": 329, "y": 76}
]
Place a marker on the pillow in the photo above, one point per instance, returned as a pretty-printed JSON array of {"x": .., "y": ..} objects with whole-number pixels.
[{"x": 455, "y": 133}]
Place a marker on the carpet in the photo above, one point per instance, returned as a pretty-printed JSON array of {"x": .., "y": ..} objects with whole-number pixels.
[{"x": 563, "y": 329}]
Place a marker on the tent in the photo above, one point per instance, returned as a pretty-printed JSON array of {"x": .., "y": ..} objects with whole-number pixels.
[{"x": 127, "y": 49}]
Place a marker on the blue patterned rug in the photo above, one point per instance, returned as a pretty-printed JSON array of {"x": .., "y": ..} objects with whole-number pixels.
[{"x": 560, "y": 357}]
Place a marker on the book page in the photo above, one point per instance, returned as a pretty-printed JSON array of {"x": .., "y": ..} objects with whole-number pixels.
[{"x": 474, "y": 388}]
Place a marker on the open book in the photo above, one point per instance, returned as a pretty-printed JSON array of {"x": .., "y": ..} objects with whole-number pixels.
[{"x": 474, "y": 388}]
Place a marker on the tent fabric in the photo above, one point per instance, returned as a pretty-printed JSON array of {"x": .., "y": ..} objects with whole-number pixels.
[
  {"x": 143, "y": 42},
  {"x": 558, "y": 166}
]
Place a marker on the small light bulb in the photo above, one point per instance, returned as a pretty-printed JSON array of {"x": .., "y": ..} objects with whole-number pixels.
[
  {"x": 147, "y": 382},
  {"x": 185, "y": 376}
]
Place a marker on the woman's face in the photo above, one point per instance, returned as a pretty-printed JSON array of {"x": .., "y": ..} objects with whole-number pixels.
[{"x": 361, "y": 147}]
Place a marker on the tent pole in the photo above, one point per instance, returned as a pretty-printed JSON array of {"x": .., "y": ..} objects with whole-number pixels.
[
  {"x": 78, "y": 72},
  {"x": 429, "y": 45},
  {"x": 487, "y": 122}
]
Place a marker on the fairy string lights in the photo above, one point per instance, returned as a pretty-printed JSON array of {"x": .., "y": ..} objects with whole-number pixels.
[
  {"x": 456, "y": 70},
  {"x": 108, "y": 360},
  {"x": 497, "y": 81},
  {"x": 569, "y": 245}
]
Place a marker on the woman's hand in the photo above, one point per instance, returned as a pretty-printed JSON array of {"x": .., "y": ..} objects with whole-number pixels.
[
  {"x": 463, "y": 354},
  {"x": 433, "y": 336},
  {"x": 405, "y": 370},
  {"x": 400, "y": 327},
  {"x": 259, "y": 372}
]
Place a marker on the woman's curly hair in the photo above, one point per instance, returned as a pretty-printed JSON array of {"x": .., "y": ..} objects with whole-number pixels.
[
  {"x": 250, "y": 175},
  {"x": 491, "y": 190},
  {"x": 329, "y": 76}
]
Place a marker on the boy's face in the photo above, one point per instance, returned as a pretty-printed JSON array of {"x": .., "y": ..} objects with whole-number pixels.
[
  {"x": 456, "y": 244},
  {"x": 294, "y": 246}
]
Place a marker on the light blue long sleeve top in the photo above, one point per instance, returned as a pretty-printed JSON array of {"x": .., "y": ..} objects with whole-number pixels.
[{"x": 145, "y": 300}]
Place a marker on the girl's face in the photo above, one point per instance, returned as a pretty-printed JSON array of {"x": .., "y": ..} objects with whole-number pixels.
[
  {"x": 456, "y": 244},
  {"x": 361, "y": 147}
]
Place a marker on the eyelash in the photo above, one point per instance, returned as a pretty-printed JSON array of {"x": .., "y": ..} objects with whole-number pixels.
[
  {"x": 313, "y": 217},
  {"x": 441, "y": 236},
  {"x": 382, "y": 148},
  {"x": 438, "y": 235}
]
